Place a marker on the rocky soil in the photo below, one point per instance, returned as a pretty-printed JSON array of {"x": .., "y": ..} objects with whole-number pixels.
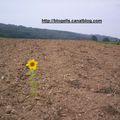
[{"x": 77, "y": 80}]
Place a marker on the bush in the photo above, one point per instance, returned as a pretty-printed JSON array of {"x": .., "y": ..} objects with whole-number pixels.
[
  {"x": 106, "y": 40},
  {"x": 94, "y": 38}
]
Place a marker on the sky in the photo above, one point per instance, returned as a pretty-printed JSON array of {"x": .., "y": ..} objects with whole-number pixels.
[{"x": 30, "y": 12}]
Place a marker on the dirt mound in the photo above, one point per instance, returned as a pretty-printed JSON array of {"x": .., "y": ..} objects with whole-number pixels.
[{"x": 78, "y": 80}]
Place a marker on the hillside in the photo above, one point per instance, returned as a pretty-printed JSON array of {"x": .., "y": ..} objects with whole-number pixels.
[
  {"x": 29, "y": 32},
  {"x": 14, "y": 31},
  {"x": 77, "y": 80}
]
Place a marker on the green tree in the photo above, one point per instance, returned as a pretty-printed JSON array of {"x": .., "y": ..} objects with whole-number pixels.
[
  {"x": 94, "y": 38},
  {"x": 106, "y": 39}
]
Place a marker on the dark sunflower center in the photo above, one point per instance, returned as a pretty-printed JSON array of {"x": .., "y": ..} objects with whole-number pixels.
[{"x": 32, "y": 64}]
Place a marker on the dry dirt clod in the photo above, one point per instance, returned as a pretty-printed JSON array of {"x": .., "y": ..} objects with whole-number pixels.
[
  {"x": 37, "y": 98},
  {"x": 2, "y": 77},
  {"x": 9, "y": 109},
  {"x": 8, "y": 81}
]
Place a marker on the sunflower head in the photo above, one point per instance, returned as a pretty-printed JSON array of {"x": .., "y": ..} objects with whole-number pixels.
[{"x": 32, "y": 64}]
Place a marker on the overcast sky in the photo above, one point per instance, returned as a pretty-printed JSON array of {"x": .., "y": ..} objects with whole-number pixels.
[{"x": 30, "y": 12}]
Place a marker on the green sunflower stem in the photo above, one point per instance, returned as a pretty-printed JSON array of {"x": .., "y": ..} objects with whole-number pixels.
[{"x": 33, "y": 83}]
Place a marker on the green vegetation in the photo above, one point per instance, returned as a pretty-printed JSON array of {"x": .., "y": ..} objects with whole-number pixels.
[
  {"x": 117, "y": 43},
  {"x": 94, "y": 38},
  {"x": 106, "y": 39},
  {"x": 111, "y": 42},
  {"x": 14, "y": 31}
]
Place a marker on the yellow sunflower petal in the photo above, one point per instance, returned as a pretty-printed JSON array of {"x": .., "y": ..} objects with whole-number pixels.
[
  {"x": 27, "y": 64},
  {"x": 32, "y": 64},
  {"x": 36, "y": 62}
]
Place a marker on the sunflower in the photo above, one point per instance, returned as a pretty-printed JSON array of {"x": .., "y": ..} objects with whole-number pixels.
[{"x": 32, "y": 64}]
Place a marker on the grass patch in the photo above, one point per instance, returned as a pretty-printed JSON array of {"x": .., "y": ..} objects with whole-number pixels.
[
  {"x": 110, "y": 42},
  {"x": 110, "y": 110},
  {"x": 106, "y": 90},
  {"x": 74, "y": 83}
]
